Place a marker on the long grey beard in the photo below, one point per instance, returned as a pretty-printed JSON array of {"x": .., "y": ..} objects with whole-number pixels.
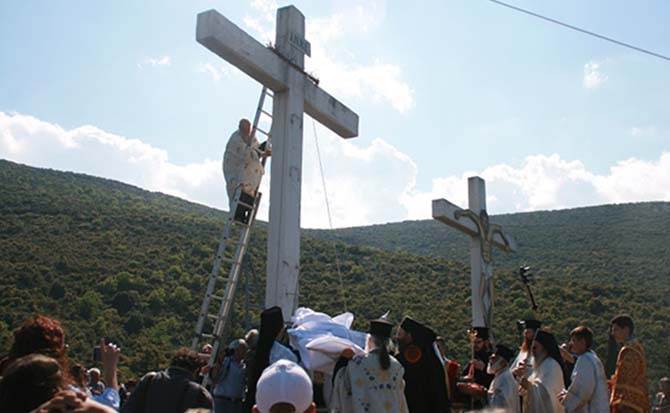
[{"x": 537, "y": 360}]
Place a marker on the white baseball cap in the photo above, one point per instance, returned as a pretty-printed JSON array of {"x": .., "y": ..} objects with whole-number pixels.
[{"x": 284, "y": 382}]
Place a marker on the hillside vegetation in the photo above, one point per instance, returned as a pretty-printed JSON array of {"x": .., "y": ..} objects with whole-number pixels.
[{"x": 111, "y": 259}]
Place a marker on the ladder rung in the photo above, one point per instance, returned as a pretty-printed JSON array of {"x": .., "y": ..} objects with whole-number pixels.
[
  {"x": 244, "y": 204},
  {"x": 262, "y": 131},
  {"x": 216, "y": 297},
  {"x": 206, "y": 335},
  {"x": 269, "y": 93},
  {"x": 236, "y": 222},
  {"x": 213, "y": 316},
  {"x": 231, "y": 261},
  {"x": 266, "y": 112}
]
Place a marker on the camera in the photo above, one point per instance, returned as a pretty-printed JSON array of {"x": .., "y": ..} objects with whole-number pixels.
[{"x": 97, "y": 354}]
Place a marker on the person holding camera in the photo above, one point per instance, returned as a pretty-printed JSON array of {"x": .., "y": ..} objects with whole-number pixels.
[{"x": 229, "y": 379}]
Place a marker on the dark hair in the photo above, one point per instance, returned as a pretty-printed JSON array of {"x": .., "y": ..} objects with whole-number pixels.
[
  {"x": 132, "y": 383},
  {"x": 187, "y": 360},
  {"x": 623, "y": 320},
  {"x": 583, "y": 333},
  {"x": 29, "y": 382},
  {"x": 282, "y": 407},
  {"x": 78, "y": 375},
  {"x": 382, "y": 344},
  {"x": 41, "y": 335}
]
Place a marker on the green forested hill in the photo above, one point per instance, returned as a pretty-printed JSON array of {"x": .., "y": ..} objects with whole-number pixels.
[
  {"x": 114, "y": 260},
  {"x": 612, "y": 240}
]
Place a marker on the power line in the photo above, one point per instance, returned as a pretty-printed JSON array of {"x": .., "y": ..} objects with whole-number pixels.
[{"x": 569, "y": 26}]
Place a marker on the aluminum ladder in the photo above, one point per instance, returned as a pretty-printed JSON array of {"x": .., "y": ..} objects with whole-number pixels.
[{"x": 230, "y": 255}]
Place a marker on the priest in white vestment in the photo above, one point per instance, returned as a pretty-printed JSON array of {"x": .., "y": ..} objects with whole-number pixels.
[
  {"x": 542, "y": 388},
  {"x": 588, "y": 391},
  {"x": 242, "y": 161},
  {"x": 503, "y": 393},
  {"x": 371, "y": 383}
]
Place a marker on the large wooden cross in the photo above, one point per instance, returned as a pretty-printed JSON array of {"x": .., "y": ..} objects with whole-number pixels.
[
  {"x": 474, "y": 221},
  {"x": 281, "y": 69}
]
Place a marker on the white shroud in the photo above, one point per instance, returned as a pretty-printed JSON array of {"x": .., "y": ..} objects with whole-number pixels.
[{"x": 320, "y": 339}]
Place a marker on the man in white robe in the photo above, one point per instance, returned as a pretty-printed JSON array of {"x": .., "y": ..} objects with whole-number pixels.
[
  {"x": 371, "y": 383},
  {"x": 588, "y": 391},
  {"x": 242, "y": 161},
  {"x": 503, "y": 393},
  {"x": 544, "y": 385}
]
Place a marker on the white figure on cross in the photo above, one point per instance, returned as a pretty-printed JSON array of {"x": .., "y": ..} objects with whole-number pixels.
[
  {"x": 474, "y": 221},
  {"x": 281, "y": 69}
]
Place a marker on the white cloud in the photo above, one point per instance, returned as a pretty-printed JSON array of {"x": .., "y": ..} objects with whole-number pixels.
[
  {"x": 337, "y": 67},
  {"x": 368, "y": 184},
  {"x": 263, "y": 20},
  {"x": 358, "y": 192},
  {"x": 593, "y": 76},
  {"x": 363, "y": 182},
  {"x": 216, "y": 73},
  {"x": 643, "y": 131},
  {"x": 634, "y": 180},
  {"x": 155, "y": 62},
  {"x": 549, "y": 182}
]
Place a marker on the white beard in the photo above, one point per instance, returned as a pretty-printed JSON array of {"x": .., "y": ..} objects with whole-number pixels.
[{"x": 537, "y": 360}]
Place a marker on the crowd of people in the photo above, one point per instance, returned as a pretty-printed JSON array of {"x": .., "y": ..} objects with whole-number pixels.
[{"x": 403, "y": 368}]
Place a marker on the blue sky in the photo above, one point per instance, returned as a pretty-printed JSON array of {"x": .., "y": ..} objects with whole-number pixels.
[{"x": 549, "y": 117}]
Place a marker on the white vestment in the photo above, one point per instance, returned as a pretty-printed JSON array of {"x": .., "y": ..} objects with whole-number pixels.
[
  {"x": 546, "y": 382},
  {"x": 320, "y": 339},
  {"x": 503, "y": 392},
  {"x": 242, "y": 165},
  {"x": 588, "y": 392},
  {"x": 363, "y": 387}
]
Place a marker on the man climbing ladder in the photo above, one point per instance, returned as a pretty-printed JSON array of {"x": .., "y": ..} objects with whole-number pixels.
[{"x": 243, "y": 167}]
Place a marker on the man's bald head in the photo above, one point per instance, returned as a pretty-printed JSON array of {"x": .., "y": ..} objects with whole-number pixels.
[{"x": 245, "y": 127}]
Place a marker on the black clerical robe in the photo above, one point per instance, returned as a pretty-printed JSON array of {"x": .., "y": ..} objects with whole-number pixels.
[
  {"x": 425, "y": 385},
  {"x": 481, "y": 377}
]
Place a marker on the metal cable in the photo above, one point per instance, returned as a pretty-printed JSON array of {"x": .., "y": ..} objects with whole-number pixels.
[
  {"x": 330, "y": 220},
  {"x": 590, "y": 33}
]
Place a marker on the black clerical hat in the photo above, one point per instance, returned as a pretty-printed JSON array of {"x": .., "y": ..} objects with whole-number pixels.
[
  {"x": 529, "y": 323},
  {"x": 420, "y": 333},
  {"x": 272, "y": 321},
  {"x": 481, "y": 332},
  {"x": 380, "y": 328},
  {"x": 504, "y": 352}
]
